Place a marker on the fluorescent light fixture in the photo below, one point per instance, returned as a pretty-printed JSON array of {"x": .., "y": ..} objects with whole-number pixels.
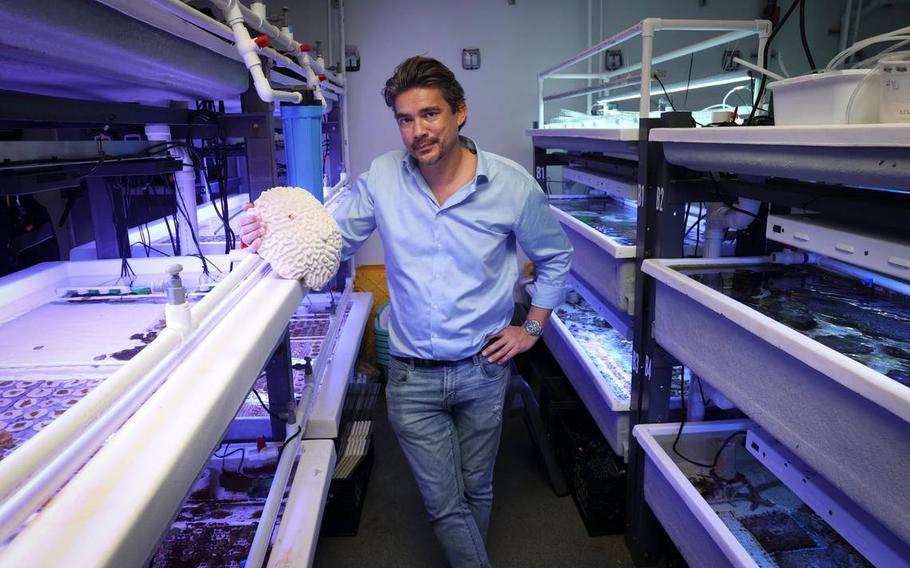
[{"x": 715, "y": 81}]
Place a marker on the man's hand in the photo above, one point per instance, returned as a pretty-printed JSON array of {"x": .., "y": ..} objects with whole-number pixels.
[
  {"x": 251, "y": 230},
  {"x": 508, "y": 343}
]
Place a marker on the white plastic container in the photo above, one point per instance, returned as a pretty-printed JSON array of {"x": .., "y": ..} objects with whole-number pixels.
[
  {"x": 895, "y": 91},
  {"x": 850, "y": 96}
]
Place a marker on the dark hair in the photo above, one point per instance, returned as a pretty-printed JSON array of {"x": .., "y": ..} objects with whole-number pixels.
[{"x": 419, "y": 71}]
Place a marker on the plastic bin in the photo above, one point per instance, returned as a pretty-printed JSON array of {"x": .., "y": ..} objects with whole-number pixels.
[
  {"x": 850, "y": 96},
  {"x": 738, "y": 514}
]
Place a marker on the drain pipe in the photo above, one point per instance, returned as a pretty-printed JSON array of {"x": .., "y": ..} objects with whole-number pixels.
[
  {"x": 186, "y": 187},
  {"x": 722, "y": 217},
  {"x": 248, "y": 50}
]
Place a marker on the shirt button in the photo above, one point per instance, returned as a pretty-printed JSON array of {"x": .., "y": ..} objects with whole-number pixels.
[
  {"x": 435, "y": 335},
  {"x": 435, "y": 306}
]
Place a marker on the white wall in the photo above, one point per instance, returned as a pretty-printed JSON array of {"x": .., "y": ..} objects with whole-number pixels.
[{"x": 516, "y": 42}]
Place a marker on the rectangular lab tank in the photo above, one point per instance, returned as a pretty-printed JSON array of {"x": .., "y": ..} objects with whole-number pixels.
[
  {"x": 605, "y": 264},
  {"x": 737, "y": 513},
  {"x": 844, "y": 419}
]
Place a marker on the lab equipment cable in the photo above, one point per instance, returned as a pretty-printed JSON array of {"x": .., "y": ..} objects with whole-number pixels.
[
  {"x": 802, "y": 36},
  {"x": 679, "y": 432},
  {"x": 688, "y": 79},
  {"x": 764, "y": 78},
  {"x": 266, "y": 407}
]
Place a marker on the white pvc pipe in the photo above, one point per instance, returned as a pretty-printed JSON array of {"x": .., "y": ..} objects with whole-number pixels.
[
  {"x": 663, "y": 58},
  {"x": 606, "y": 44},
  {"x": 683, "y": 51},
  {"x": 197, "y": 18},
  {"x": 540, "y": 103},
  {"x": 721, "y": 217},
  {"x": 263, "y": 537},
  {"x": 185, "y": 194},
  {"x": 617, "y": 83},
  {"x": 892, "y": 284},
  {"x": 647, "y": 52},
  {"x": 333, "y": 193},
  {"x": 248, "y": 51},
  {"x": 345, "y": 150},
  {"x": 590, "y": 60},
  {"x": 18, "y": 467},
  {"x": 216, "y": 295},
  {"x": 759, "y": 69},
  {"x": 747, "y": 27},
  {"x": 283, "y": 40}
]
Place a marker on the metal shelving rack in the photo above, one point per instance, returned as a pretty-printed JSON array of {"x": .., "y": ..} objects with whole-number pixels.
[
  {"x": 794, "y": 168},
  {"x": 847, "y": 173}
]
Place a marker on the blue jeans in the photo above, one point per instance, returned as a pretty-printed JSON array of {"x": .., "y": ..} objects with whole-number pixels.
[{"x": 448, "y": 421}]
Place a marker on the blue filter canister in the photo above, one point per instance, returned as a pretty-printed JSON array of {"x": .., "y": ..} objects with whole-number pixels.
[{"x": 303, "y": 146}]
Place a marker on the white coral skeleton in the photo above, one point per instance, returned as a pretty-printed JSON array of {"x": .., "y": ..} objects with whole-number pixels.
[{"x": 301, "y": 240}]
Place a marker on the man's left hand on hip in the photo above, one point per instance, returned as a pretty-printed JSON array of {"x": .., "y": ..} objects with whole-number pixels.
[{"x": 507, "y": 344}]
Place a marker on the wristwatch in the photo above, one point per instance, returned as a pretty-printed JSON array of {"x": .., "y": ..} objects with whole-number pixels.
[{"x": 533, "y": 327}]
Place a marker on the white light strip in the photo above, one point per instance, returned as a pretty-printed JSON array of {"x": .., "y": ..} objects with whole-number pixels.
[{"x": 714, "y": 81}]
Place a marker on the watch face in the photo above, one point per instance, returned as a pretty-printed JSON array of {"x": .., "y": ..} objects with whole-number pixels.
[{"x": 533, "y": 327}]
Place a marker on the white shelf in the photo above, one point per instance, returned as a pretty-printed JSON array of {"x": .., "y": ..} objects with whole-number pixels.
[
  {"x": 837, "y": 414},
  {"x": 885, "y": 253},
  {"x": 873, "y": 155},
  {"x": 826, "y": 136},
  {"x": 324, "y": 417},
  {"x": 298, "y": 533},
  {"x": 618, "y": 141},
  {"x": 607, "y": 134}
]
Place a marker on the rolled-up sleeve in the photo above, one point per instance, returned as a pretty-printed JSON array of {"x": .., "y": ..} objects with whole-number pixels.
[
  {"x": 355, "y": 217},
  {"x": 543, "y": 240}
]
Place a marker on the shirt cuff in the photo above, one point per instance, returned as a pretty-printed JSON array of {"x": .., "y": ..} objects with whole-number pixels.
[{"x": 548, "y": 296}]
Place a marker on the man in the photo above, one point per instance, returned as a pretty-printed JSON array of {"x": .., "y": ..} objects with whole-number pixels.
[{"x": 450, "y": 216}]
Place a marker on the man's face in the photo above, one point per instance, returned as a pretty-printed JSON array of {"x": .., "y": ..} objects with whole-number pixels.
[{"x": 429, "y": 128}]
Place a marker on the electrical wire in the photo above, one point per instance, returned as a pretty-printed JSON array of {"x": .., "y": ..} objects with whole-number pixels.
[
  {"x": 666, "y": 94},
  {"x": 688, "y": 79},
  {"x": 288, "y": 440},
  {"x": 802, "y": 36},
  {"x": 764, "y": 78},
  {"x": 266, "y": 407},
  {"x": 226, "y": 454},
  {"x": 679, "y": 432}
]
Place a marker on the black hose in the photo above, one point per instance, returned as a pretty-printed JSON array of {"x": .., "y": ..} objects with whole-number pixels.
[
  {"x": 764, "y": 78},
  {"x": 802, "y": 35}
]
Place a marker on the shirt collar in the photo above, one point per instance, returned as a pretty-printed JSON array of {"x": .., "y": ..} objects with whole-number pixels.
[{"x": 483, "y": 166}]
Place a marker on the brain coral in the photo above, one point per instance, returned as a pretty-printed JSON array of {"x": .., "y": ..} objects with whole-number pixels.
[{"x": 302, "y": 240}]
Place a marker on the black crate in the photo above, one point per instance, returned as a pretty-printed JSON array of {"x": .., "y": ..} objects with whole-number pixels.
[
  {"x": 344, "y": 504},
  {"x": 599, "y": 488},
  {"x": 557, "y": 397},
  {"x": 596, "y": 475}
]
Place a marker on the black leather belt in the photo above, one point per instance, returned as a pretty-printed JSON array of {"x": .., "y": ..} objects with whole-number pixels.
[{"x": 429, "y": 363}]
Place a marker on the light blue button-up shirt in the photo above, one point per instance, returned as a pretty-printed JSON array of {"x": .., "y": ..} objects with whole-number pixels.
[{"x": 451, "y": 269}]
